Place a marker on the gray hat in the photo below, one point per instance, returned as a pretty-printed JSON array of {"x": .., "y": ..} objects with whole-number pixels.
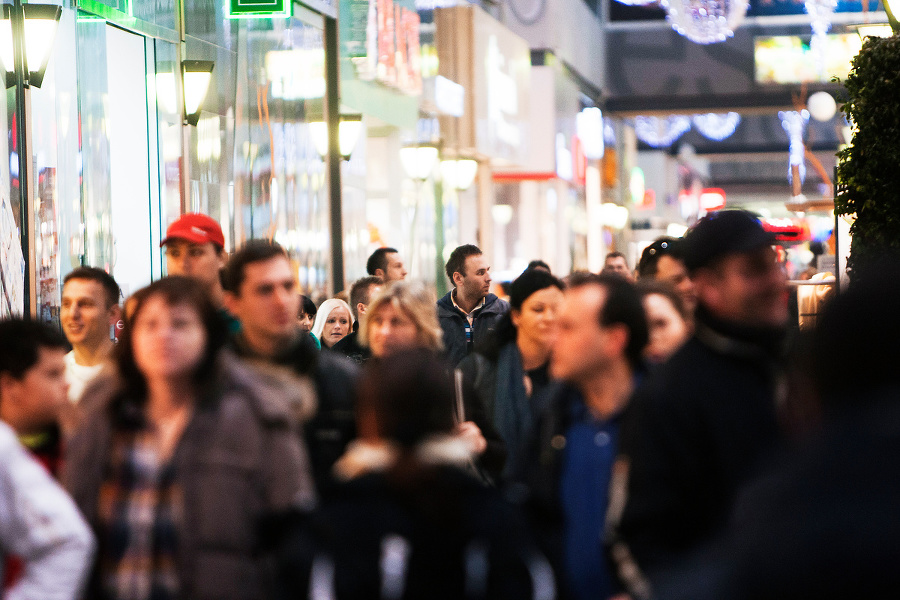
[{"x": 721, "y": 233}]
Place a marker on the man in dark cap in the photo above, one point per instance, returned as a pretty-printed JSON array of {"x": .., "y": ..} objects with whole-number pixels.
[{"x": 702, "y": 425}]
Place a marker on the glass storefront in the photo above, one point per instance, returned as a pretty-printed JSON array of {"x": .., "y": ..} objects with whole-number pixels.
[{"x": 113, "y": 163}]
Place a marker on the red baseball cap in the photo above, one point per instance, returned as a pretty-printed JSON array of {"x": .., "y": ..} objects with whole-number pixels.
[{"x": 196, "y": 228}]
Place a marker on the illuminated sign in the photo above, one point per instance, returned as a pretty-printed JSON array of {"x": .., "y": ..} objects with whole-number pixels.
[
  {"x": 712, "y": 199},
  {"x": 449, "y": 96},
  {"x": 259, "y": 9},
  {"x": 297, "y": 74},
  {"x": 381, "y": 38},
  {"x": 789, "y": 59},
  {"x": 589, "y": 125}
]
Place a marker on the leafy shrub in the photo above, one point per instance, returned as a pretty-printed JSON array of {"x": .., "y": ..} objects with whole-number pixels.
[{"x": 868, "y": 173}]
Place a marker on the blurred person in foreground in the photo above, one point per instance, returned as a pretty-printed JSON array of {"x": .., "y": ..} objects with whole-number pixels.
[
  {"x": 410, "y": 521},
  {"x": 663, "y": 260},
  {"x": 469, "y": 311},
  {"x": 402, "y": 317},
  {"x": 89, "y": 309},
  {"x": 262, "y": 293},
  {"x": 361, "y": 293},
  {"x": 704, "y": 423},
  {"x": 334, "y": 321},
  {"x": 667, "y": 320},
  {"x": 510, "y": 368},
  {"x": 45, "y": 545},
  {"x": 33, "y": 387},
  {"x": 596, "y": 359},
  {"x": 822, "y": 523},
  {"x": 187, "y": 465}
]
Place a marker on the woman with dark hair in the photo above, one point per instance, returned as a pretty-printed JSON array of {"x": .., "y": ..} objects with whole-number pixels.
[
  {"x": 306, "y": 318},
  {"x": 512, "y": 366},
  {"x": 410, "y": 521},
  {"x": 182, "y": 455},
  {"x": 668, "y": 324}
]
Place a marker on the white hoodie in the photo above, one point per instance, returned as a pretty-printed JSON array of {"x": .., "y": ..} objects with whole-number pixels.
[{"x": 40, "y": 524}]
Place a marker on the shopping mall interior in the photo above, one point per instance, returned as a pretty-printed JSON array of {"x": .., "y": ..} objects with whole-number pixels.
[{"x": 551, "y": 129}]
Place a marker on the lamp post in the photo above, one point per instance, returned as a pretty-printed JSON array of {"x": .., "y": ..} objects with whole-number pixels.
[
  {"x": 26, "y": 37},
  {"x": 418, "y": 161},
  {"x": 196, "y": 76},
  {"x": 458, "y": 174},
  {"x": 349, "y": 128}
]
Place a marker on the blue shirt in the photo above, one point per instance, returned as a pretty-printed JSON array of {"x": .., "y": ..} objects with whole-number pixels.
[{"x": 587, "y": 462}]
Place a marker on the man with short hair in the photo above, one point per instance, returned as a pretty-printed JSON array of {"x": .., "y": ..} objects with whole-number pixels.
[
  {"x": 704, "y": 423},
  {"x": 469, "y": 311},
  {"x": 386, "y": 264},
  {"x": 90, "y": 307},
  {"x": 617, "y": 264},
  {"x": 663, "y": 260},
  {"x": 44, "y": 541},
  {"x": 262, "y": 293},
  {"x": 361, "y": 293},
  {"x": 195, "y": 247},
  {"x": 596, "y": 360}
]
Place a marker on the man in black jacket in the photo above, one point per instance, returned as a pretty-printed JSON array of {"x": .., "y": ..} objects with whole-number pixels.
[
  {"x": 262, "y": 292},
  {"x": 705, "y": 421},
  {"x": 469, "y": 311}
]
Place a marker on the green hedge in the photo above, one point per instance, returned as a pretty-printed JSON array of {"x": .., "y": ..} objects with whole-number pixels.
[{"x": 868, "y": 173}]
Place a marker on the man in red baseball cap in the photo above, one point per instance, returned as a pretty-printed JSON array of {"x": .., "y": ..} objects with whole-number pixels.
[{"x": 195, "y": 247}]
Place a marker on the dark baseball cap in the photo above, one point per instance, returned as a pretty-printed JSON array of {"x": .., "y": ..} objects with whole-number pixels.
[{"x": 724, "y": 232}]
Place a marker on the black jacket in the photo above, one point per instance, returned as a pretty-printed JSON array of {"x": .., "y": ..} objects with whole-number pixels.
[
  {"x": 334, "y": 424},
  {"x": 700, "y": 427},
  {"x": 440, "y": 535},
  {"x": 350, "y": 347},
  {"x": 453, "y": 323}
]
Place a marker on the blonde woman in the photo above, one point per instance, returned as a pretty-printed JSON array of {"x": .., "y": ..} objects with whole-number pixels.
[
  {"x": 334, "y": 320},
  {"x": 403, "y": 316}
]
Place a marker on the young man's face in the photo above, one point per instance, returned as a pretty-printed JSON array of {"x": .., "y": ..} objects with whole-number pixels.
[
  {"x": 396, "y": 271},
  {"x": 34, "y": 401},
  {"x": 618, "y": 266},
  {"x": 200, "y": 261},
  {"x": 85, "y": 314},
  {"x": 476, "y": 283},
  {"x": 267, "y": 302}
]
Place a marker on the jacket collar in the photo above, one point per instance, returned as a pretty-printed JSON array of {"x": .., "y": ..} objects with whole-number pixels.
[{"x": 737, "y": 339}]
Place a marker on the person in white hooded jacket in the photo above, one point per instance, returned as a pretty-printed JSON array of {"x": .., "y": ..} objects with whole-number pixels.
[{"x": 40, "y": 525}]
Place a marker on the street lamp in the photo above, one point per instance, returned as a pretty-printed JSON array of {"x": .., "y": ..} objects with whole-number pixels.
[
  {"x": 37, "y": 24},
  {"x": 418, "y": 161},
  {"x": 460, "y": 173},
  {"x": 349, "y": 128},
  {"x": 196, "y": 76}
]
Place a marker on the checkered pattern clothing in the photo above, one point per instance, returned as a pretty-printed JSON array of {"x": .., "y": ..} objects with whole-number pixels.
[{"x": 140, "y": 511}]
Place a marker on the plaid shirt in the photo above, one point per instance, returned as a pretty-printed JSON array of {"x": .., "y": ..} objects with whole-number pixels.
[{"x": 140, "y": 512}]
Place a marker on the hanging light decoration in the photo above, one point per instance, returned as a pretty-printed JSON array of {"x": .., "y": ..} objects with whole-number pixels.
[
  {"x": 661, "y": 132},
  {"x": 705, "y": 21},
  {"x": 794, "y": 124},
  {"x": 717, "y": 126},
  {"x": 820, "y": 13},
  {"x": 637, "y": 2}
]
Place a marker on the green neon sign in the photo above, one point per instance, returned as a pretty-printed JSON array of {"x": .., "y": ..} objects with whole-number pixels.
[{"x": 259, "y": 9}]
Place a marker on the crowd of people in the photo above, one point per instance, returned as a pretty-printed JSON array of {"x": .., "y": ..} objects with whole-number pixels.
[{"x": 649, "y": 434}]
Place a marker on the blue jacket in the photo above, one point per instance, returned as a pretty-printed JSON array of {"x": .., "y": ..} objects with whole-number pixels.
[{"x": 453, "y": 323}]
